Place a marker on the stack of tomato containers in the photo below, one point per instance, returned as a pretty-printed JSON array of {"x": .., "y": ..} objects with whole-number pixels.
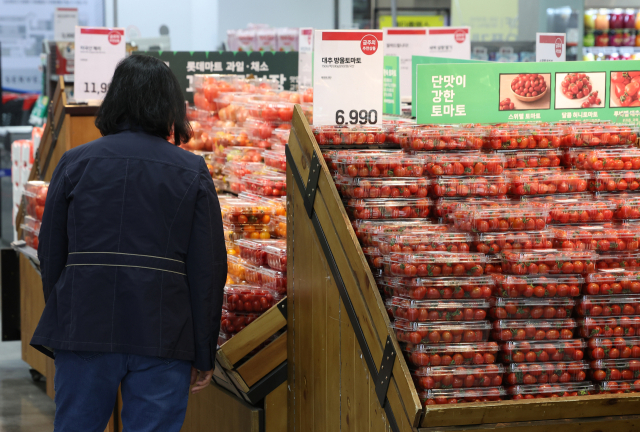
[{"x": 609, "y": 310}]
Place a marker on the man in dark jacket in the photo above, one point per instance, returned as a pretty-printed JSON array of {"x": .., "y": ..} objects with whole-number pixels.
[{"x": 133, "y": 262}]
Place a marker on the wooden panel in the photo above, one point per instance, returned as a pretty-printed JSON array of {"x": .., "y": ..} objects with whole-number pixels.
[
  {"x": 598, "y": 424},
  {"x": 83, "y": 129},
  {"x": 535, "y": 409},
  {"x": 266, "y": 360},
  {"x": 51, "y": 373},
  {"x": 275, "y": 410},
  {"x": 334, "y": 315},
  {"x": 293, "y": 356},
  {"x": 246, "y": 341},
  {"x": 31, "y": 307},
  {"x": 214, "y": 408},
  {"x": 347, "y": 368}
]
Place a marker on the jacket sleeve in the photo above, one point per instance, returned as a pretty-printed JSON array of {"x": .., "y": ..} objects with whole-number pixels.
[
  {"x": 53, "y": 243},
  {"x": 206, "y": 270}
]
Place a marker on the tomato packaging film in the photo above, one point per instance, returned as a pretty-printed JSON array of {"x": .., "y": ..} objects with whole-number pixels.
[
  {"x": 614, "y": 347},
  {"x": 602, "y": 159},
  {"x": 239, "y": 169},
  {"x": 241, "y": 211},
  {"x": 418, "y": 208},
  {"x": 449, "y": 396},
  {"x": 366, "y": 230},
  {"x": 531, "y": 158},
  {"x": 499, "y": 219},
  {"x": 538, "y": 286},
  {"x": 599, "y": 238},
  {"x": 547, "y": 182},
  {"x": 373, "y": 256},
  {"x": 619, "y": 260},
  {"x": 429, "y": 138},
  {"x": 533, "y": 329},
  {"x": 388, "y": 187},
  {"x": 542, "y": 351},
  {"x": 613, "y": 282},
  {"x": 423, "y": 241},
  {"x": 537, "y": 391},
  {"x": 248, "y": 298},
  {"x": 441, "y": 332},
  {"x": 358, "y": 135},
  {"x": 272, "y": 279},
  {"x": 267, "y": 185},
  {"x": 242, "y": 154},
  {"x": 598, "y": 135},
  {"x": 494, "y": 243},
  {"x": 531, "y": 308},
  {"x": 550, "y": 261},
  {"x": 523, "y": 137},
  {"x": 434, "y": 264},
  {"x": 608, "y": 326},
  {"x": 447, "y": 205},
  {"x": 494, "y": 265},
  {"x": 626, "y": 206},
  {"x": 618, "y": 387},
  {"x": 276, "y": 255},
  {"x": 458, "y": 376},
  {"x": 232, "y": 323},
  {"x": 277, "y": 107},
  {"x": 614, "y": 369},
  {"x": 438, "y": 310},
  {"x": 374, "y": 164},
  {"x": 463, "y": 353},
  {"x": 463, "y": 164},
  {"x": 275, "y": 160},
  {"x": 545, "y": 372},
  {"x": 254, "y": 251},
  {"x": 433, "y": 288},
  {"x": 614, "y": 181},
  {"x": 471, "y": 186},
  {"x": 35, "y": 194}
]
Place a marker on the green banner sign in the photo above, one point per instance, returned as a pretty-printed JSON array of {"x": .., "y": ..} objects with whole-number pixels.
[
  {"x": 548, "y": 92},
  {"x": 418, "y": 60},
  {"x": 391, "y": 85},
  {"x": 282, "y": 66}
]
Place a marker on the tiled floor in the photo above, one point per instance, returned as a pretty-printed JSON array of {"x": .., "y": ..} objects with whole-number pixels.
[{"x": 24, "y": 405}]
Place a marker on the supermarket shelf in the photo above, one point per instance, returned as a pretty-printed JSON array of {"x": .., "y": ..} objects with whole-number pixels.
[
  {"x": 68, "y": 78},
  {"x": 361, "y": 147},
  {"x": 611, "y": 50},
  {"x": 30, "y": 253}
]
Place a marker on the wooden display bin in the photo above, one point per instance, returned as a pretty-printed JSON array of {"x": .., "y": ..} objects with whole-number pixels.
[{"x": 346, "y": 370}]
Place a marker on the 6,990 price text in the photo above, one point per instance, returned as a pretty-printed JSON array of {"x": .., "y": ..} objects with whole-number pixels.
[
  {"x": 357, "y": 117},
  {"x": 97, "y": 88}
]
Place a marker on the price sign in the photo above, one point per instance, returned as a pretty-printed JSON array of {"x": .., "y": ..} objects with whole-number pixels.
[
  {"x": 305, "y": 56},
  {"x": 391, "y": 85},
  {"x": 65, "y": 21},
  {"x": 551, "y": 47},
  {"x": 347, "y": 77},
  {"x": 97, "y": 53}
]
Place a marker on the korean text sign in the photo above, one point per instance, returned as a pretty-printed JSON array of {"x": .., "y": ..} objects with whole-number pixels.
[
  {"x": 347, "y": 77},
  {"x": 391, "y": 85},
  {"x": 548, "y": 92}
]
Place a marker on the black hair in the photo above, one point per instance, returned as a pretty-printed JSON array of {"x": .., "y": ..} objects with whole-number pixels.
[{"x": 144, "y": 94}]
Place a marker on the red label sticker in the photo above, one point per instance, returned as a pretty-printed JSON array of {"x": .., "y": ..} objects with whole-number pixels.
[
  {"x": 460, "y": 35},
  {"x": 114, "y": 38},
  {"x": 369, "y": 44},
  {"x": 558, "y": 47}
]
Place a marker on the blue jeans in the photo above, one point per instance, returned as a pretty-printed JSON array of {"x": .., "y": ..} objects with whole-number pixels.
[{"x": 154, "y": 391}]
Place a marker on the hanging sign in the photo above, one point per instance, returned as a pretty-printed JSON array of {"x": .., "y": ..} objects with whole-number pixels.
[
  {"x": 404, "y": 43},
  {"x": 347, "y": 77},
  {"x": 97, "y": 53},
  {"x": 551, "y": 47},
  {"x": 391, "y": 102},
  {"x": 65, "y": 21}
]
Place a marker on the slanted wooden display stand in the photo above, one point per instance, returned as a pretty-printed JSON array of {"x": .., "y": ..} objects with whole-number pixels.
[{"x": 342, "y": 350}]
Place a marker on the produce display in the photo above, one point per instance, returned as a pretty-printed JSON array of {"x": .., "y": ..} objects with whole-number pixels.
[
  {"x": 539, "y": 391},
  {"x": 523, "y": 308},
  {"x": 455, "y": 396},
  {"x": 458, "y": 376},
  {"x": 613, "y": 347},
  {"x": 464, "y": 353},
  {"x": 550, "y": 261},
  {"x": 542, "y": 351},
  {"x": 538, "y": 286},
  {"x": 438, "y": 310},
  {"x": 533, "y": 329},
  {"x": 546, "y": 372},
  {"x": 599, "y": 238}
]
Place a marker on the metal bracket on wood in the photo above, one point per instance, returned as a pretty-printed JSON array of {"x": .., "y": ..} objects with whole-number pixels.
[
  {"x": 386, "y": 369},
  {"x": 55, "y": 133},
  {"x": 309, "y": 191},
  {"x": 346, "y": 300},
  {"x": 282, "y": 307}
]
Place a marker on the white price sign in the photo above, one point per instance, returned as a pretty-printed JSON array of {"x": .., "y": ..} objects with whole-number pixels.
[
  {"x": 97, "y": 53},
  {"x": 347, "y": 77},
  {"x": 551, "y": 47},
  {"x": 449, "y": 42},
  {"x": 404, "y": 43},
  {"x": 65, "y": 21}
]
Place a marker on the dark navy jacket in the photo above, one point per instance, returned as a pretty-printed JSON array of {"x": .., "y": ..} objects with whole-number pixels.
[{"x": 132, "y": 252}]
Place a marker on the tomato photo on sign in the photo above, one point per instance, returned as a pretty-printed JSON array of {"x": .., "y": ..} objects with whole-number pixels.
[
  {"x": 577, "y": 90},
  {"x": 624, "y": 89}
]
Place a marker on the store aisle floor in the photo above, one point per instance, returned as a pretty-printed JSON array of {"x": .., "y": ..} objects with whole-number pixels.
[{"x": 24, "y": 405}]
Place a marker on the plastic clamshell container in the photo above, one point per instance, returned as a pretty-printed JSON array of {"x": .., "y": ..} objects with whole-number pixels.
[
  {"x": 242, "y": 154},
  {"x": 533, "y": 329},
  {"x": 461, "y": 395},
  {"x": 235, "y": 137},
  {"x": 542, "y": 351},
  {"x": 232, "y": 323},
  {"x": 276, "y": 255},
  {"x": 429, "y": 138},
  {"x": 500, "y": 219},
  {"x": 579, "y": 211},
  {"x": 272, "y": 279},
  {"x": 600, "y": 238},
  {"x": 538, "y": 286},
  {"x": 471, "y": 186},
  {"x": 494, "y": 243},
  {"x": 264, "y": 129},
  {"x": 376, "y": 164},
  {"x": 387, "y": 187},
  {"x": 463, "y": 164},
  {"x": 546, "y": 372},
  {"x": 30, "y": 233},
  {"x": 463, "y": 353},
  {"x": 253, "y": 251},
  {"x": 536, "y": 391},
  {"x": 35, "y": 193},
  {"x": 442, "y": 332},
  {"x": 278, "y": 227},
  {"x": 432, "y": 288},
  {"x": 614, "y": 347},
  {"x": 434, "y": 264},
  {"x": 608, "y": 305},
  {"x": 423, "y": 241},
  {"x": 408, "y": 208},
  {"x": 447, "y": 205},
  {"x": 625, "y": 206},
  {"x": 248, "y": 298},
  {"x": 246, "y": 231},
  {"x": 277, "y": 107},
  {"x": 531, "y": 308},
  {"x": 275, "y": 160},
  {"x": 612, "y": 282},
  {"x": 373, "y": 256},
  {"x": 240, "y": 169},
  {"x": 523, "y": 137},
  {"x": 356, "y": 135},
  {"x": 619, "y": 260},
  {"x": 602, "y": 159},
  {"x": 494, "y": 265},
  {"x": 267, "y": 185},
  {"x": 599, "y": 135},
  {"x": 366, "y": 230},
  {"x": 618, "y": 387},
  {"x": 615, "y": 181},
  {"x": 614, "y": 369},
  {"x": 241, "y": 212},
  {"x": 549, "y": 261},
  {"x": 608, "y": 326},
  {"x": 458, "y": 376},
  {"x": 551, "y": 182},
  {"x": 438, "y": 310},
  {"x": 236, "y": 269},
  {"x": 531, "y": 158}
]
